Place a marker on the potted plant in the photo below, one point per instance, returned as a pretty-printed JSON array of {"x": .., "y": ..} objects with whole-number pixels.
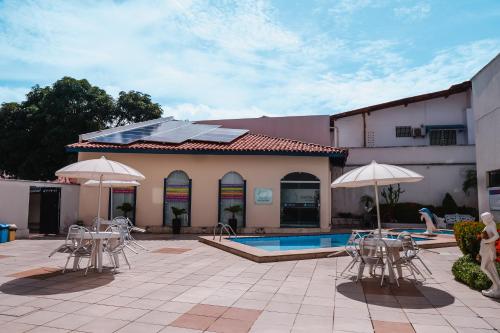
[
  {"x": 233, "y": 222},
  {"x": 125, "y": 208},
  {"x": 176, "y": 221}
]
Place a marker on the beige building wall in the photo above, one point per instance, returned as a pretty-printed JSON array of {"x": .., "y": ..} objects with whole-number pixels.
[
  {"x": 486, "y": 107},
  {"x": 205, "y": 172}
]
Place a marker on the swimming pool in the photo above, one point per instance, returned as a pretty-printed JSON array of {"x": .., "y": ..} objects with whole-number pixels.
[
  {"x": 421, "y": 231},
  {"x": 303, "y": 242}
]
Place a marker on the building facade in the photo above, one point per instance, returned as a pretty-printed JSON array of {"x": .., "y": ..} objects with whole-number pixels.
[
  {"x": 281, "y": 185},
  {"x": 432, "y": 134},
  {"x": 486, "y": 106}
]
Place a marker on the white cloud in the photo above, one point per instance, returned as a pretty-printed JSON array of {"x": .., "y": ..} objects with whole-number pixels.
[
  {"x": 413, "y": 13},
  {"x": 227, "y": 60}
]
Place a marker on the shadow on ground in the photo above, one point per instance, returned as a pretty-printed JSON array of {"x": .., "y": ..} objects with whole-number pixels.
[
  {"x": 408, "y": 295},
  {"x": 50, "y": 281}
]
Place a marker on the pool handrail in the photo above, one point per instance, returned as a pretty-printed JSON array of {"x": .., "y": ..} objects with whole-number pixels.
[{"x": 224, "y": 227}]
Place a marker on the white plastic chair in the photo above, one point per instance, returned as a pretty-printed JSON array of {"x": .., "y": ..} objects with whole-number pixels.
[
  {"x": 114, "y": 247},
  {"x": 410, "y": 253},
  {"x": 129, "y": 239},
  {"x": 76, "y": 246},
  {"x": 372, "y": 252},
  {"x": 352, "y": 249}
]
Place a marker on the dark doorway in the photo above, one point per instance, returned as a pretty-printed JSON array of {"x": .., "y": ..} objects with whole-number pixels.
[
  {"x": 44, "y": 214},
  {"x": 300, "y": 201}
]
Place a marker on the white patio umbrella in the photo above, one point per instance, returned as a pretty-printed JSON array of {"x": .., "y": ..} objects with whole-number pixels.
[
  {"x": 376, "y": 175},
  {"x": 112, "y": 184},
  {"x": 100, "y": 169}
]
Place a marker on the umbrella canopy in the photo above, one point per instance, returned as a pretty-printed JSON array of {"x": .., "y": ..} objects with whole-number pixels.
[
  {"x": 112, "y": 183},
  {"x": 100, "y": 169},
  {"x": 375, "y": 174}
]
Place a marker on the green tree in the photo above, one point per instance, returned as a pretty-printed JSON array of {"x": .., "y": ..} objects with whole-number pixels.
[
  {"x": 34, "y": 133},
  {"x": 134, "y": 106}
]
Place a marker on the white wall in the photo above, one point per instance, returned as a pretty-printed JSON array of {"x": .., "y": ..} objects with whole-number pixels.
[
  {"x": 438, "y": 179},
  {"x": 437, "y": 111},
  {"x": 14, "y": 203},
  {"x": 486, "y": 106}
]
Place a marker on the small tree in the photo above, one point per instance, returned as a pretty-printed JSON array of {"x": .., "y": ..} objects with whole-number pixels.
[
  {"x": 178, "y": 212},
  {"x": 234, "y": 210},
  {"x": 470, "y": 181},
  {"x": 125, "y": 208},
  {"x": 391, "y": 196}
]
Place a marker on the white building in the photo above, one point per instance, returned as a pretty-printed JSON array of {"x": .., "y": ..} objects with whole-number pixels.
[
  {"x": 432, "y": 134},
  {"x": 486, "y": 106}
]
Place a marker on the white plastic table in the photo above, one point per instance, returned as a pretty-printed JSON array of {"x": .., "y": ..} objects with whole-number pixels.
[
  {"x": 99, "y": 238},
  {"x": 392, "y": 250}
]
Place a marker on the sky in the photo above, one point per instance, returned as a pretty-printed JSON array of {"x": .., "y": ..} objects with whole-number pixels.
[{"x": 236, "y": 59}]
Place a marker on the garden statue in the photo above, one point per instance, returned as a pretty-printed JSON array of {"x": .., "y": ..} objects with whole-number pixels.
[
  {"x": 488, "y": 254},
  {"x": 427, "y": 216}
]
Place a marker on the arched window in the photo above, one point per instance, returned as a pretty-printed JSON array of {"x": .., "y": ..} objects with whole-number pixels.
[
  {"x": 177, "y": 194},
  {"x": 300, "y": 200},
  {"x": 232, "y": 193}
]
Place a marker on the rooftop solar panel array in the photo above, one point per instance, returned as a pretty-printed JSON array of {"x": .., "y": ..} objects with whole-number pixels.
[{"x": 169, "y": 131}]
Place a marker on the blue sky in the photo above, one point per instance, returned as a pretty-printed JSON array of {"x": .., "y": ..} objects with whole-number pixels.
[{"x": 231, "y": 59}]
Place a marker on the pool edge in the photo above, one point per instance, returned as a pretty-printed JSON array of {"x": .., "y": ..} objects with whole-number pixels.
[{"x": 261, "y": 256}]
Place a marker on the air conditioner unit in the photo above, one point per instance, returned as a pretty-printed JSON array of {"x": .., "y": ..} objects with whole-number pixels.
[{"x": 418, "y": 132}]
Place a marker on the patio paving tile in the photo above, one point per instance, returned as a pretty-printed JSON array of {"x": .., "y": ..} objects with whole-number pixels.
[
  {"x": 282, "y": 307},
  {"x": 194, "y": 321},
  {"x": 171, "y": 250},
  {"x": 140, "y": 328},
  {"x": 158, "y": 317},
  {"x": 419, "y": 328},
  {"x": 70, "y": 321},
  {"x": 18, "y": 311},
  {"x": 391, "y": 327},
  {"x": 250, "y": 304},
  {"x": 12, "y": 327},
  {"x": 229, "y": 325},
  {"x": 67, "y": 306},
  {"x": 242, "y": 314},
  {"x": 349, "y": 325},
  {"x": 97, "y": 310},
  {"x": 39, "y": 318},
  {"x": 178, "y": 307},
  {"x": 463, "y": 321},
  {"x": 103, "y": 325},
  {"x": 44, "y": 329},
  {"x": 130, "y": 314},
  {"x": 207, "y": 310}
]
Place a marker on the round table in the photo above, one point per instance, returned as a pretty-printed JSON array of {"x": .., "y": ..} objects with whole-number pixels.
[
  {"x": 392, "y": 250},
  {"x": 99, "y": 238}
]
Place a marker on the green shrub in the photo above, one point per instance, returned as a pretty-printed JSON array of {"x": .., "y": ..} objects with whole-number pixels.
[
  {"x": 468, "y": 271},
  {"x": 467, "y": 236}
]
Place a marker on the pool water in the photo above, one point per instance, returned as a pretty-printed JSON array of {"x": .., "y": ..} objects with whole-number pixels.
[
  {"x": 421, "y": 231},
  {"x": 303, "y": 242}
]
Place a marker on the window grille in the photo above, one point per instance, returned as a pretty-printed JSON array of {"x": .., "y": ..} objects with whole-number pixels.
[
  {"x": 403, "y": 131},
  {"x": 443, "y": 137}
]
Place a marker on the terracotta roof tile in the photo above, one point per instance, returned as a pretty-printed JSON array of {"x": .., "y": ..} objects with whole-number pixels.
[{"x": 248, "y": 143}]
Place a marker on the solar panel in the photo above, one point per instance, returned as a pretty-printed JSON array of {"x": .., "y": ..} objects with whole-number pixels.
[
  {"x": 181, "y": 134},
  {"x": 165, "y": 130},
  {"x": 138, "y": 134},
  {"x": 221, "y": 135}
]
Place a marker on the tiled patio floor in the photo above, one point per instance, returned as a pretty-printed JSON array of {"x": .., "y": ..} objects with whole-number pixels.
[{"x": 185, "y": 286}]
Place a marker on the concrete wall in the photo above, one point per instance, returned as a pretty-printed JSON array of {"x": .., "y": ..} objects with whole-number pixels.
[
  {"x": 438, "y": 111},
  {"x": 314, "y": 129},
  {"x": 205, "y": 172},
  {"x": 14, "y": 203},
  {"x": 486, "y": 106}
]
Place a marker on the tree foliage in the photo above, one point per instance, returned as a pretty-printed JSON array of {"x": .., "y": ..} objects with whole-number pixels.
[{"x": 34, "y": 133}]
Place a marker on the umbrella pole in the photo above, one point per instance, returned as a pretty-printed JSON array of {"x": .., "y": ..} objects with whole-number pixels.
[
  {"x": 99, "y": 205},
  {"x": 378, "y": 211}
]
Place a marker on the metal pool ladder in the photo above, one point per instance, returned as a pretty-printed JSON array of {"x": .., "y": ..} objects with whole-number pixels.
[{"x": 224, "y": 227}]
